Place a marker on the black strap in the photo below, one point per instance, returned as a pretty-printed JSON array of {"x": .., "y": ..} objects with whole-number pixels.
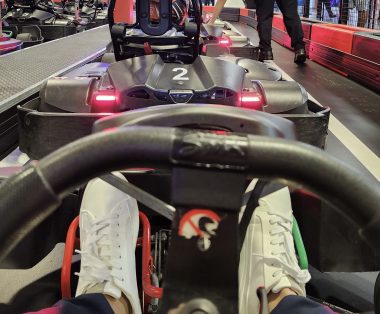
[
  {"x": 262, "y": 188},
  {"x": 252, "y": 203}
]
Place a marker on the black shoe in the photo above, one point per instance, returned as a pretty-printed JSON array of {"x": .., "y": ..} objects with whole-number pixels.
[
  {"x": 265, "y": 55},
  {"x": 332, "y": 15},
  {"x": 300, "y": 56}
]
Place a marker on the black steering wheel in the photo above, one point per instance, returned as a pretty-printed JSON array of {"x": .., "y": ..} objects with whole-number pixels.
[{"x": 31, "y": 195}]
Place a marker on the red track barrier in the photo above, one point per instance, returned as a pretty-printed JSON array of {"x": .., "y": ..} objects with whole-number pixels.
[
  {"x": 207, "y": 9},
  {"x": 339, "y": 37},
  {"x": 367, "y": 46}
]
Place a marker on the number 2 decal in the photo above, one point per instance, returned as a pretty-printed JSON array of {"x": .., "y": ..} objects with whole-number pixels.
[{"x": 181, "y": 76}]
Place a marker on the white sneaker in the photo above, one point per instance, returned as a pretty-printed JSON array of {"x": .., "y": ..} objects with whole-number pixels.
[
  {"x": 109, "y": 223},
  {"x": 268, "y": 256}
]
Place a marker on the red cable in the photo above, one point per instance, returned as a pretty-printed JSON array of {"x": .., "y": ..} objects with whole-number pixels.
[
  {"x": 149, "y": 289},
  {"x": 67, "y": 259}
]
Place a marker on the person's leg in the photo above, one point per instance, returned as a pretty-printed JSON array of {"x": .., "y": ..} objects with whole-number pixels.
[
  {"x": 109, "y": 223},
  {"x": 306, "y": 8},
  {"x": 292, "y": 21},
  {"x": 328, "y": 8},
  {"x": 362, "y": 18},
  {"x": 95, "y": 303},
  {"x": 319, "y": 9},
  {"x": 268, "y": 257},
  {"x": 264, "y": 13},
  {"x": 343, "y": 12},
  {"x": 291, "y": 303}
]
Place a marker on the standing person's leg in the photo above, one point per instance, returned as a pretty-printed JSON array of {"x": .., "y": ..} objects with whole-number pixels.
[
  {"x": 363, "y": 8},
  {"x": 306, "y": 8},
  {"x": 319, "y": 9},
  {"x": 264, "y": 13},
  {"x": 343, "y": 12},
  {"x": 292, "y": 21},
  {"x": 362, "y": 18},
  {"x": 328, "y": 8}
]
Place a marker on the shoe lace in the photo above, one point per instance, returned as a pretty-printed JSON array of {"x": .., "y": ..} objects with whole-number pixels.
[
  {"x": 98, "y": 261},
  {"x": 282, "y": 254}
]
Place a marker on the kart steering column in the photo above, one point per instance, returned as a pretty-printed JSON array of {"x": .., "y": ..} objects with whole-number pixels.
[{"x": 203, "y": 256}]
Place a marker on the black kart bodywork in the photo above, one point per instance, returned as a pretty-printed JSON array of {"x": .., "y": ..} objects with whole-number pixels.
[{"x": 68, "y": 106}]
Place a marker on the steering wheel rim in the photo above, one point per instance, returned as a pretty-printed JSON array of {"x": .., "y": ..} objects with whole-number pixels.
[{"x": 161, "y": 147}]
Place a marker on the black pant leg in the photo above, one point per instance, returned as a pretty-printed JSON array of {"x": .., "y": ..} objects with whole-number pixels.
[
  {"x": 319, "y": 9},
  {"x": 292, "y": 21},
  {"x": 306, "y": 8},
  {"x": 264, "y": 13},
  {"x": 328, "y": 7},
  {"x": 299, "y": 305},
  {"x": 343, "y": 12}
]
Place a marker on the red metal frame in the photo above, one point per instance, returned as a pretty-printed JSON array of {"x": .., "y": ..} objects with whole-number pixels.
[
  {"x": 67, "y": 259},
  {"x": 72, "y": 242},
  {"x": 147, "y": 261}
]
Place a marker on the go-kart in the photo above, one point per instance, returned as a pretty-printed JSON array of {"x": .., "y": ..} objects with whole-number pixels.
[
  {"x": 12, "y": 39},
  {"x": 225, "y": 35},
  {"x": 94, "y": 11},
  {"x": 186, "y": 157},
  {"x": 167, "y": 70},
  {"x": 45, "y": 15}
]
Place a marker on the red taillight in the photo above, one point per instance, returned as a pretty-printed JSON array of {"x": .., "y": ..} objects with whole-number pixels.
[
  {"x": 248, "y": 99},
  {"x": 225, "y": 41},
  {"x": 104, "y": 101},
  {"x": 252, "y": 100},
  {"x": 105, "y": 98}
]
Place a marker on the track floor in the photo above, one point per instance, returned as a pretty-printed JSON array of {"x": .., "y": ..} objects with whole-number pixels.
[
  {"x": 23, "y": 72},
  {"x": 355, "y": 128}
]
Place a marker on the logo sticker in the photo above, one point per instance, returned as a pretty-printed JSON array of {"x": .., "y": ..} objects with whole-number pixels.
[{"x": 201, "y": 223}]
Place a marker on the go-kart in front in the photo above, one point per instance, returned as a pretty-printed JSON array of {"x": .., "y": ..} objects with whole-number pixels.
[{"x": 156, "y": 70}]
